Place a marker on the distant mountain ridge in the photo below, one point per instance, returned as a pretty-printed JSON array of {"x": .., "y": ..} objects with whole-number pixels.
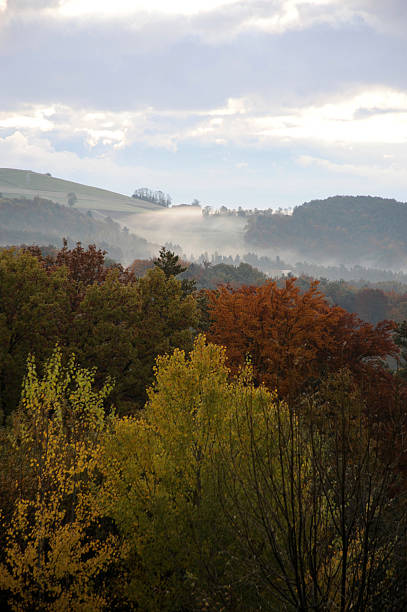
[{"x": 27, "y": 184}]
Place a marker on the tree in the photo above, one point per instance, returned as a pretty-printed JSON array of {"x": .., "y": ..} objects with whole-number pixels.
[
  {"x": 121, "y": 328},
  {"x": 228, "y": 499},
  {"x": 72, "y": 199},
  {"x": 156, "y": 197},
  {"x": 164, "y": 496},
  {"x": 55, "y": 554},
  {"x": 104, "y": 315},
  {"x": 169, "y": 263},
  {"x": 401, "y": 341},
  {"x": 308, "y": 496},
  {"x": 292, "y": 338},
  {"x": 34, "y": 312},
  {"x": 139, "y": 267}
]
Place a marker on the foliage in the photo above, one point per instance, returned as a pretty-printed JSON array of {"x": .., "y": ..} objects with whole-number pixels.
[
  {"x": 227, "y": 499},
  {"x": 53, "y": 557},
  {"x": 139, "y": 267},
  {"x": 401, "y": 341},
  {"x": 162, "y": 497},
  {"x": 307, "y": 495},
  {"x": 72, "y": 198},
  {"x": 292, "y": 338},
  {"x": 34, "y": 308},
  {"x": 169, "y": 263},
  {"x": 210, "y": 276},
  {"x": 121, "y": 328},
  {"x": 104, "y": 315}
]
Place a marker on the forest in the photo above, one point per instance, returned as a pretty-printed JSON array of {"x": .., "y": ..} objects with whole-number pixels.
[
  {"x": 39, "y": 221},
  {"x": 166, "y": 446},
  {"x": 345, "y": 229}
]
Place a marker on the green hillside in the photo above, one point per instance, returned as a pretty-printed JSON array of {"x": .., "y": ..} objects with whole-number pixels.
[{"x": 28, "y": 184}]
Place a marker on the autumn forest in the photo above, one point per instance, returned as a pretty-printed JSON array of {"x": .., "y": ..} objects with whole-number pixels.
[{"x": 166, "y": 446}]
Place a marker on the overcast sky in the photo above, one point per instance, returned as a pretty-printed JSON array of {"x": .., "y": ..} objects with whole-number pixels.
[{"x": 253, "y": 103}]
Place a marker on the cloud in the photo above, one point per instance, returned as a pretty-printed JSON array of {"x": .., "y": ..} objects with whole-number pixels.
[
  {"x": 40, "y": 155},
  {"x": 108, "y": 66},
  {"x": 383, "y": 172},
  {"x": 370, "y": 116},
  {"x": 271, "y": 82},
  {"x": 73, "y": 8}
]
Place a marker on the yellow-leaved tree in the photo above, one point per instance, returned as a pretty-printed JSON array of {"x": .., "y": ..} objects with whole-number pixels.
[
  {"x": 230, "y": 500},
  {"x": 162, "y": 474},
  {"x": 56, "y": 554}
]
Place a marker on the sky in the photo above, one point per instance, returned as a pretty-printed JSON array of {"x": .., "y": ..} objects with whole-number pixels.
[{"x": 253, "y": 103}]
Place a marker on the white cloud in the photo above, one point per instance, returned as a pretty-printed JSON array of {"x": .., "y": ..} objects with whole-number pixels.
[
  {"x": 372, "y": 116},
  {"x": 372, "y": 171},
  {"x": 39, "y": 154}
]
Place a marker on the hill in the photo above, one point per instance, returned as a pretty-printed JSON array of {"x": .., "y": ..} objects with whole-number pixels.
[
  {"x": 27, "y": 184},
  {"x": 40, "y": 221},
  {"x": 347, "y": 229}
]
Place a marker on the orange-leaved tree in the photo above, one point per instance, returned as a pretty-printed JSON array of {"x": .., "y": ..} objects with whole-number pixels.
[{"x": 293, "y": 338}]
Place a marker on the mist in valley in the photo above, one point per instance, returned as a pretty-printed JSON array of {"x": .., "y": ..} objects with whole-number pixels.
[
  {"x": 187, "y": 227},
  {"x": 221, "y": 238}
]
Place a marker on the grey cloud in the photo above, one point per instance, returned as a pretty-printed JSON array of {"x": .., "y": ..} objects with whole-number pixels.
[
  {"x": 111, "y": 65},
  {"x": 23, "y": 5},
  {"x": 385, "y": 15},
  {"x": 364, "y": 113}
]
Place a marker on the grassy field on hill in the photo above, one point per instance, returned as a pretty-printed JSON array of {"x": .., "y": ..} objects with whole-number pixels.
[{"x": 28, "y": 184}]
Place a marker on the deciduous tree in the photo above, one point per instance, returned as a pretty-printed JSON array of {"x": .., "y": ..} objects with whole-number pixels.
[
  {"x": 55, "y": 556},
  {"x": 292, "y": 338}
]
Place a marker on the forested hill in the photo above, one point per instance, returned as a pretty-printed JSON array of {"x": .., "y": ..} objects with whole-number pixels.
[
  {"x": 39, "y": 221},
  {"x": 346, "y": 229}
]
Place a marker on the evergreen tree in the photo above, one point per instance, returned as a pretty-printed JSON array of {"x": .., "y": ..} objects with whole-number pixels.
[{"x": 169, "y": 263}]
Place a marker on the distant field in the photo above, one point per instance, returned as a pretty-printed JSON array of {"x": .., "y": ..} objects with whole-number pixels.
[{"x": 24, "y": 183}]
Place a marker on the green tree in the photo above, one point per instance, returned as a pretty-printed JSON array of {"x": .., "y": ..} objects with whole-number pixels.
[
  {"x": 34, "y": 309},
  {"x": 400, "y": 338},
  {"x": 169, "y": 263},
  {"x": 121, "y": 328}
]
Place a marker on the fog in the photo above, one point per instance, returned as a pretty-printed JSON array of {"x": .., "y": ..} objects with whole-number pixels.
[
  {"x": 220, "y": 238},
  {"x": 187, "y": 227}
]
